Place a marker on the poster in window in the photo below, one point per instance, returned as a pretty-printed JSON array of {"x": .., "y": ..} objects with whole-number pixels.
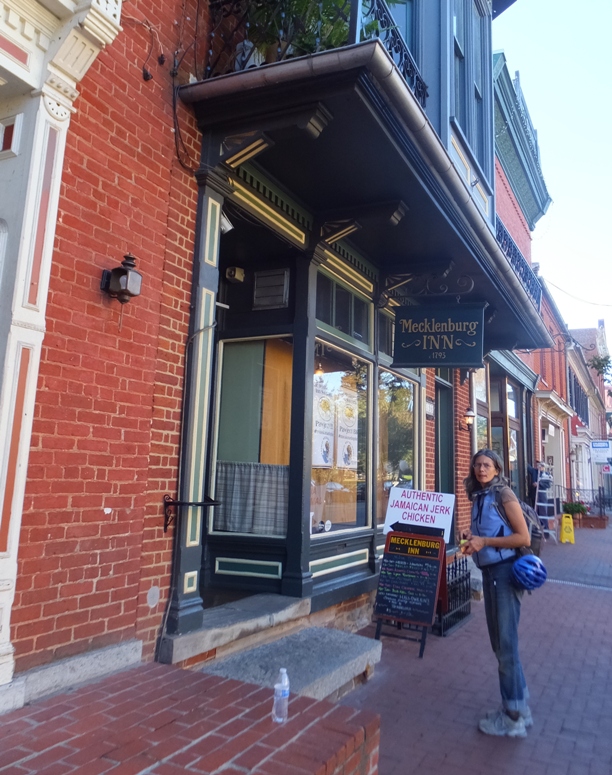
[
  {"x": 322, "y": 427},
  {"x": 346, "y": 430}
]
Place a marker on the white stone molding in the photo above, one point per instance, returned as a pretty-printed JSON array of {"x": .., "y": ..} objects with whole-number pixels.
[
  {"x": 64, "y": 47},
  {"x": 56, "y": 109},
  {"x": 102, "y": 21}
]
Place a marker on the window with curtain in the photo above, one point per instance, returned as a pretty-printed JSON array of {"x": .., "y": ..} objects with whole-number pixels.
[
  {"x": 338, "y": 496},
  {"x": 252, "y": 469}
]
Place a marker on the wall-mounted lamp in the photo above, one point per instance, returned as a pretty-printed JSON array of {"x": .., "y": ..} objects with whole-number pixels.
[
  {"x": 123, "y": 282},
  {"x": 468, "y": 419}
]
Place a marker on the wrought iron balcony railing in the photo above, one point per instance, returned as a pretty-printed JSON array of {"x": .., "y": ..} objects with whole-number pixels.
[
  {"x": 249, "y": 33},
  {"x": 519, "y": 263}
]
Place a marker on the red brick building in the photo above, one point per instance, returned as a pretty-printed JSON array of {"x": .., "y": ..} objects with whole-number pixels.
[{"x": 272, "y": 266}]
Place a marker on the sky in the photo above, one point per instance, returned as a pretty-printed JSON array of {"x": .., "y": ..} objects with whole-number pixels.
[{"x": 562, "y": 52}]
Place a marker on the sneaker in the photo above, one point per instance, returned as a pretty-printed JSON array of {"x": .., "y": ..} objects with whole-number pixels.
[
  {"x": 500, "y": 724},
  {"x": 526, "y": 716}
]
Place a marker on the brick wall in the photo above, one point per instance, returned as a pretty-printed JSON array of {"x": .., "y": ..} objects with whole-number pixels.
[
  {"x": 510, "y": 213},
  {"x": 463, "y": 450},
  {"x": 106, "y": 425}
]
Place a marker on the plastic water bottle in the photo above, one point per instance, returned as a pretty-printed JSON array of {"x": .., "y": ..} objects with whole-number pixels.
[{"x": 280, "y": 709}]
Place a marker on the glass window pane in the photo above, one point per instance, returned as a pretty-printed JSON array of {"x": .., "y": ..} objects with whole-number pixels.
[
  {"x": 342, "y": 312},
  {"x": 458, "y": 22},
  {"x": 395, "y": 437},
  {"x": 478, "y": 50},
  {"x": 338, "y": 495},
  {"x": 385, "y": 334},
  {"x": 360, "y": 320},
  {"x": 497, "y": 441},
  {"x": 482, "y": 432},
  {"x": 324, "y": 299},
  {"x": 480, "y": 385},
  {"x": 403, "y": 14},
  {"x": 495, "y": 404},
  {"x": 252, "y": 471},
  {"x": 459, "y": 61},
  {"x": 511, "y": 401},
  {"x": 513, "y": 472},
  {"x": 446, "y": 374}
]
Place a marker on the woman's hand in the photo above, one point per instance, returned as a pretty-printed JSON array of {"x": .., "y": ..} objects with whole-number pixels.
[
  {"x": 474, "y": 544},
  {"x": 466, "y": 535}
]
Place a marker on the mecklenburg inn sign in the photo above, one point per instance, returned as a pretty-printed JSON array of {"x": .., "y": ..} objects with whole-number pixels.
[{"x": 436, "y": 336}]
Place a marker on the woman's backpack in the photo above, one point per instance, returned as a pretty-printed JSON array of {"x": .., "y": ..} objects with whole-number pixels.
[{"x": 533, "y": 523}]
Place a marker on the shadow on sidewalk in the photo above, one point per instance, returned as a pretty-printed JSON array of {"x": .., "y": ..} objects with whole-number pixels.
[{"x": 430, "y": 707}]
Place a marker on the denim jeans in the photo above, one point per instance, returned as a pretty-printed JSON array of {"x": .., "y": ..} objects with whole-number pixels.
[{"x": 503, "y": 609}]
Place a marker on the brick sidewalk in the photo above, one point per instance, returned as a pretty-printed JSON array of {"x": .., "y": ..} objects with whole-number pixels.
[
  {"x": 165, "y": 721},
  {"x": 160, "y": 720},
  {"x": 430, "y": 707}
]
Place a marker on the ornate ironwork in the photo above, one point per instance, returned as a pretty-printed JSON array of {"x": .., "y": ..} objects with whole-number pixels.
[
  {"x": 378, "y": 22},
  {"x": 248, "y": 33},
  {"x": 456, "y": 607},
  {"x": 171, "y": 508},
  {"x": 519, "y": 263},
  {"x": 409, "y": 286}
]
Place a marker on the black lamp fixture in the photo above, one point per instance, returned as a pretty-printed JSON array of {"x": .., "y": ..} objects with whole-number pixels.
[
  {"x": 468, "y": 419},
  {"x": 123, "y": 282}
]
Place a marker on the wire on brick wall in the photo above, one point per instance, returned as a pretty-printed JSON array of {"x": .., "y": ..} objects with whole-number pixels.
[{"x": 155, "y": 40}]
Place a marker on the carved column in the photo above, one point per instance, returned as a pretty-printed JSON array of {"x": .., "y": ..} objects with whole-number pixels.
[{"x": 186, "y": 607}]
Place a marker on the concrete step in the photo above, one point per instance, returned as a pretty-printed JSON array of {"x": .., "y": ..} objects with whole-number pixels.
[
  {"x": 233, "y": 622},
  {"x": 321, "y": 663}
]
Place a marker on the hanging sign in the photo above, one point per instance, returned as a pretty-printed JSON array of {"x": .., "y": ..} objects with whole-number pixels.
[
  {"x": 448, "y": 335},
  {"x": 424, "y": 509}
]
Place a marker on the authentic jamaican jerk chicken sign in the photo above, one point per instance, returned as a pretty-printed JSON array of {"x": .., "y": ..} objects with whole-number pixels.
[{"x": 449, "y": 335}]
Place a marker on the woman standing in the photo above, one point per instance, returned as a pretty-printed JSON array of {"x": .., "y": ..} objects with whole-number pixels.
[{"x": 492, "y": 541}]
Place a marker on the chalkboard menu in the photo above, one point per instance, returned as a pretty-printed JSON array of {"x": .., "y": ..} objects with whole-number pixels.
[{"x": 410, "y": 578}]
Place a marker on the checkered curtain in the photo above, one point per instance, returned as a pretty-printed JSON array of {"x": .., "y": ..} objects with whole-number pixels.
[{"x": 253, "y": 498}]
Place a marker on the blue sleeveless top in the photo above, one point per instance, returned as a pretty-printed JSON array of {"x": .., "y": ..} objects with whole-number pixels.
[{"x": 488, "y": 523}]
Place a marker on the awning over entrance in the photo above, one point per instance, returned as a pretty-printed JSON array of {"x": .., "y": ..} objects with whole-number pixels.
[{"x": 344, "y": 136}]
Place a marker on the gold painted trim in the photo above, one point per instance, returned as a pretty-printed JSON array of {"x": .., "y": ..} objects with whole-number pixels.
[
  {"x": 267, "y": 213},
  {"x": 343, "y": 272},
  {"x": 204, "y": 359},
  {"x": 213, "y": 221},
  {"x": 240, "y": 157}
]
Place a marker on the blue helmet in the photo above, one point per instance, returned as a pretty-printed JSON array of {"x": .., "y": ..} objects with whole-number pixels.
[{"x": 529, "y": 572}]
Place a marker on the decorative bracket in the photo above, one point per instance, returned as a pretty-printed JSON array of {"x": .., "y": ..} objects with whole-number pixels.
[
  {"x": 171, "y": 508},
  {"x": 425, "y": 279}
]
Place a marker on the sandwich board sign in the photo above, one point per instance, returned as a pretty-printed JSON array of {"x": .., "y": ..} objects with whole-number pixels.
[{"x": 409, "y": 581}]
